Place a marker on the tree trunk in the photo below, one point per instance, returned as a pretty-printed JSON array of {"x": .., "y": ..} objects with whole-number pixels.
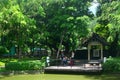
[
  {"x": 19, "y": 52},
  {"x": 67, "y": 51},
  {"x": 59, "y": 48}
]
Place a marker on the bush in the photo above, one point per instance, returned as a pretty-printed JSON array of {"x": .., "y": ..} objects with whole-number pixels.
[
  {"x": 43, "y": 61},
  {"x": 3, "y": 50},
  {"x": 112, "y": 65},
  {"x": 24, "y": 65}
]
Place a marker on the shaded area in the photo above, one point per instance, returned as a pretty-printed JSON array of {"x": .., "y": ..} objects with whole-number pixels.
[{"x": 105, "y": 77}]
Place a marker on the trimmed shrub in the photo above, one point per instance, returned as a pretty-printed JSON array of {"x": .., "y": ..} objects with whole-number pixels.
[
  {"x": 24, "y": 65},
  {"x": 112, "y": 65}
]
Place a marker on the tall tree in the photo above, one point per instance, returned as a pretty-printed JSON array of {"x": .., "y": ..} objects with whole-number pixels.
[
  {"x": 16, "y": 25},
  {"x": 57, "y": 24},
  {"x": 109, "y": 24},
  {"x": 35, "y": 12},
  {"x": 66, "y": 21}
]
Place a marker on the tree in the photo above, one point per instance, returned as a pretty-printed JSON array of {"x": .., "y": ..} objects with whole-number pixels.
[
  {"x": 55, "y": 24},
  {"x": 35, "y": 12},
  {"x": 16, "y": 25},
  {"x": 108, "y": 24},
  {"x": 66, "y": 22}
]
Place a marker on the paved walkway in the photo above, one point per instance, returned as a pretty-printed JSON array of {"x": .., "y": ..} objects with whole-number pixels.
[{"x": 75, "y": 68}]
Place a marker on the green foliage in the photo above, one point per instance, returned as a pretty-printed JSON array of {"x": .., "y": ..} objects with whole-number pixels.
[
  {"x": 67, "y": 18},
  {"x": 112, "y": 65},
  {"x": 24, "y": 65},
  {"x": 5, "y": 60},
  {"x": 42, "y": 23},
  {"x": 2, "y": 63},
  {"x": 43, "y": 61},
  {"x": 108, "y": 24},
  {"x": 3, "y": 50}
]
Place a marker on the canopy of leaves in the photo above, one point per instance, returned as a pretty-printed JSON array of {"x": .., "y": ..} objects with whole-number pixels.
[
  {"x": 109, "y": 23},
  {"x": 27, "y": 24}
]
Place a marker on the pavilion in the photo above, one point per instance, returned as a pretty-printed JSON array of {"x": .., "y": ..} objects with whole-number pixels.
[{"x": 95, "y": 45}]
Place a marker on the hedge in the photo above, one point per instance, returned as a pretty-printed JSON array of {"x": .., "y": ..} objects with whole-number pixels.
[
  {"x": 24, "y": 65},
  {"x": 112, "y": 65}
]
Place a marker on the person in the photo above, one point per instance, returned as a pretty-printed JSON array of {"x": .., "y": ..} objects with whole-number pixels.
[
  {"x": 61, "y": 57},
  {"x": 71, "y": 62},
  {"x": 48, "y": 61},
  {"x": 72, "y": 56},
  {"x": 62, "y": 54},
  {"x": 64, "y": 60}
]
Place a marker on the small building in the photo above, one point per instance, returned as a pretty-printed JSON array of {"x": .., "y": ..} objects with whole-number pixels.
[
  {"x": 95, "y": 45},
  {"x": 91, "y": 54}
]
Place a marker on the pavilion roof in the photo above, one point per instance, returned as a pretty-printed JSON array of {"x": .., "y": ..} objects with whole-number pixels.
[{"x": 95, "y": 38}]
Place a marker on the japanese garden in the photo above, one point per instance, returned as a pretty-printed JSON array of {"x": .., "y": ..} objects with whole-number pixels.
[{"x": 59, "y": 39}]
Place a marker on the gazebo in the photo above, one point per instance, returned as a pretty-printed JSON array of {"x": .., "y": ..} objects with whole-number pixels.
[{"x": 95, "y": 45}]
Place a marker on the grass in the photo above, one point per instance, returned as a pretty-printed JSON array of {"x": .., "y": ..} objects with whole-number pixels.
[{"x": 61, "y": 77}]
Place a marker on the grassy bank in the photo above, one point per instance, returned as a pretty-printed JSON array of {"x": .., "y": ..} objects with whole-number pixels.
[{"x": 61, "y": 77}]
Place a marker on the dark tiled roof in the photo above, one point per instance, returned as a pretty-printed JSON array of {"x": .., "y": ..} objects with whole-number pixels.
[{"x": 95, "y": 37}]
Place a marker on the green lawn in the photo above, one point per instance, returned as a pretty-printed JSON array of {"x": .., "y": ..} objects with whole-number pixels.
[{"x": 61, "y": 77}]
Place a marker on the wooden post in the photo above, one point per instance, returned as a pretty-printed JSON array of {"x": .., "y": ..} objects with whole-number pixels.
[
  {"x": 89, "y": 46},
  {"x": 101, "y": 52}
]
